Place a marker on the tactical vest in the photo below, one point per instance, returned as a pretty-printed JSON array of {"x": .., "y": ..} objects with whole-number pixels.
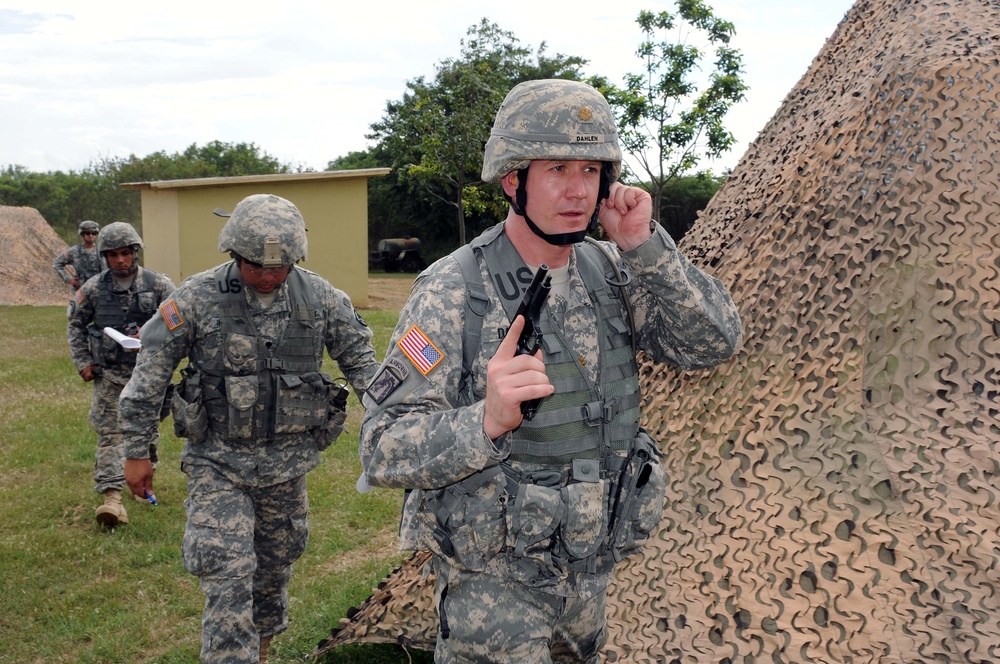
[
  {"x": 253, "y": 391},
  {"x": 566, "y": 464},
  {"x": 108, "y": 312},
  {"x": 87, "y": 264}
]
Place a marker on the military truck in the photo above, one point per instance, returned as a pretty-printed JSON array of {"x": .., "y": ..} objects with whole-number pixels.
[{"x": 398, "y": 254}]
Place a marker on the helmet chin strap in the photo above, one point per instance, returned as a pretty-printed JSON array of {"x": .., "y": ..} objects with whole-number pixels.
[{"x": 520, "y": 203}]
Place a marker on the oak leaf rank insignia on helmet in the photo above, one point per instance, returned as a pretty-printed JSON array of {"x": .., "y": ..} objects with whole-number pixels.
[{"x": 265, "y": 229}]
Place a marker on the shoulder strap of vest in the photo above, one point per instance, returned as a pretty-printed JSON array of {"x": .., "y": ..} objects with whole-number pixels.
[
  {"x": 476, "y": 305},
  {"x": 622, "y": 279},
  {"x": 148, "y": 280},
  {"x": 300, "y": 294}
]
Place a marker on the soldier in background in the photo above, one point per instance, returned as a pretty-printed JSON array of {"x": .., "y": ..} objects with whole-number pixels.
[
  {"x": 84, "y": 257},
  {"x": 526, "y": 518},
  {"x": 123, "y": 297},
  {"x": 256, "y": 412}
]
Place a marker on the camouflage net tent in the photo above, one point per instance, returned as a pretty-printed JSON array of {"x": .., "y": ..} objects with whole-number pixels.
[{"x": 834, "y": 490}]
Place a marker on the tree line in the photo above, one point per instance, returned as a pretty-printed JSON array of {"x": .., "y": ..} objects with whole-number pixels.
[{"x": 670, "y": 117}]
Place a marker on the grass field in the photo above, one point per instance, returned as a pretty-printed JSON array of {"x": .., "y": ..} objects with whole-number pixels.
[{"x": 73, "y": 591}]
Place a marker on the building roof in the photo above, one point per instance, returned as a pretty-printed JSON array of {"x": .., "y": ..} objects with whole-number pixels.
[{"x": 258, "y": 179}]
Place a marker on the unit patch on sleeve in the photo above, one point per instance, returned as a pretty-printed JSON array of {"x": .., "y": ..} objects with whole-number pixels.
[
  {"x": 392, "y": 376},
  {"x": 171, "y": 316},
  {"x": 416, "y": 346}
]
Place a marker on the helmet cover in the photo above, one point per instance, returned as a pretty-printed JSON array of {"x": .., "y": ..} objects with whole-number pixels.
[
  {"x": 551, "y": 119},
  {"x": 267, "y": 230},
  {"x": 116, "y": 235},
  {"x": 87, "y": 226}
]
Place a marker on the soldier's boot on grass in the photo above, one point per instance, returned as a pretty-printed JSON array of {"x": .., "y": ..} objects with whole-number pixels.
[
  {"x": 112, "y": 512},
  {"x": 265, "y": 649}
]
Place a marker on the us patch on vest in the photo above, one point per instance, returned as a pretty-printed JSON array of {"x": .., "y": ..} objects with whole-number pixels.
[
  {"x": 171, "y": 316},
  {"x": 416, "y": 346},
  {"x": 392, "y": 376}
]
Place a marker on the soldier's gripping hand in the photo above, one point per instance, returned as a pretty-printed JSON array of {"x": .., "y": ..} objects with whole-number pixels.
[
  {"x": 511, "y": 379},
  {"x": 625, "y": 215},
  {"x": 90, "y": 373},
  {"x": 139, "y": 477}
]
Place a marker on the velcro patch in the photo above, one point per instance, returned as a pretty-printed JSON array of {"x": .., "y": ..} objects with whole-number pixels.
[
  {"x": 421, "y": 351},
  {"x": 392, "y": 376},
  {"x": 171, "y": 316}
]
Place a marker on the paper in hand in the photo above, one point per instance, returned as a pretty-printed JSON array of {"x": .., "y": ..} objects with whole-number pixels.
[{"x": 123, "y": 341}]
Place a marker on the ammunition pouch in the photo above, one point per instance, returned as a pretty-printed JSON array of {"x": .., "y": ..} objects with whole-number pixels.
[
  {"x": 190, "y": 418},
  {"x": 469, "y": 515},
  {"x": 336, "y": 416},
  {"x": 638, "y": 503},
  {"x": 586, "y": 524},
  {"x": 106, "y": 351},
  {"x": 241, "y": 395},
  {"x": 302, "y": 402}
]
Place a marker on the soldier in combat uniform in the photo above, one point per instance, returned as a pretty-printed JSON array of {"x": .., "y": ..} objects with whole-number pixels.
[
  {"x": 83, "y": 256},
  {"x": 526, "y": 518},
  {"x": 255, "y": 411},
  {"x": 123, "y": 297}
]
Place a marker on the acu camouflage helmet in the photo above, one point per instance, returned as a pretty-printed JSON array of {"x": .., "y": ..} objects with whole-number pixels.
[
  {"x": 551, "y": 119},
  {"x": 267, "y": 230},
  {"x": 87, "y": 226},
  {"x": 116, "y": 235}
]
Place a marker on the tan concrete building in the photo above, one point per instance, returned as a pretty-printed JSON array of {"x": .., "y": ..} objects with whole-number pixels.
[{"x": 181, "y": 232}]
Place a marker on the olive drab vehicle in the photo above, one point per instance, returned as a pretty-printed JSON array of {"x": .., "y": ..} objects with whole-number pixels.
[{"x": 398, "y": 255}]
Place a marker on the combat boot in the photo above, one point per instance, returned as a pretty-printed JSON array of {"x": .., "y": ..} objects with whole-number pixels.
[
  {"x": 112, "y": 512},
  {"x": 265, "y": 649}
]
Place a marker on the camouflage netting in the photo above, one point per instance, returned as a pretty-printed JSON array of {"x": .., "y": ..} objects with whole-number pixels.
[
  {"x": 29, "y": 247},
  {"x": 834, "y": 489}
]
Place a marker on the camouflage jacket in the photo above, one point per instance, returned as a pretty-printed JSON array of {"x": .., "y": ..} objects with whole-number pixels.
[
  {"x": 420, "y": 435},
  {"x": 86, "y": 263},
  {"x": 81, "y": 332},
  {"x": 188, "y": 326}
]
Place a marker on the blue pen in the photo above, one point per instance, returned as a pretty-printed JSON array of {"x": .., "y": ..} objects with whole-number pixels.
[{"x": 150, "y": 497}]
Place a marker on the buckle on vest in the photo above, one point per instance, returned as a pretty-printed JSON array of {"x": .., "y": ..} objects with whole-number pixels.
[
  {"x": 610, "y": 410},
  {"x": 596, "y": 412},
  {"x": 273, "y": 363}
]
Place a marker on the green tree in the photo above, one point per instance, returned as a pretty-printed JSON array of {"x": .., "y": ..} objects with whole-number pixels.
[
  {"x": 230, "y": 159},
  {"x": 61, "y": 198},
  {"x": 668, "y": 115},
  {"x": 434, "y": 137},
  {"x": 683, "y": 198},
  {"x": 65, "y": 199}
]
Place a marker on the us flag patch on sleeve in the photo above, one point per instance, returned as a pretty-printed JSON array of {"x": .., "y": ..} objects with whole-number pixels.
[
  {"x": 416, "y": 346},
  {"x": 171, "y": 316}
]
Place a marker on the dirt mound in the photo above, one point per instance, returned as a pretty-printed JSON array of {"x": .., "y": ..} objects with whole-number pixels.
[{"x": 26, "y": 261}]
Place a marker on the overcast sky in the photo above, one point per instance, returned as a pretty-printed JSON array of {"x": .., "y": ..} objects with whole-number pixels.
[{"x": 84, "y": 79}]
